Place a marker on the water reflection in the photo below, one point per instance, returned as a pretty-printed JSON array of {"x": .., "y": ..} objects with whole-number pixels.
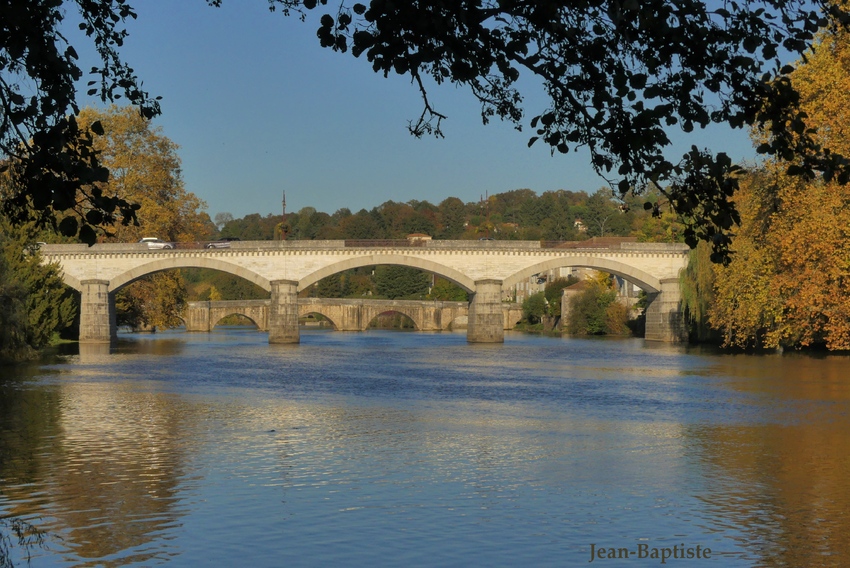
[
  {"x": 782, "y": 474},
  {"x": 97, "y": 465},
  {"x": 400, "y": 449},
  {"x": 94, "y": 353},
  {"x": 785, "y": 486}
]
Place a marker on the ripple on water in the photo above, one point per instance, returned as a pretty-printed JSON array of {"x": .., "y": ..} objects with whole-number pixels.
[{"x": 419, "y": 449}]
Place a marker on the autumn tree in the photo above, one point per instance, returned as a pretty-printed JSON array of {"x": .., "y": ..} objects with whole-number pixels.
[
  {"x": 788, "y": 281},
  {"x": 748, "y": 307},
  {"x": 153, "y": 302},
  {"x": 145, "y": 169}
]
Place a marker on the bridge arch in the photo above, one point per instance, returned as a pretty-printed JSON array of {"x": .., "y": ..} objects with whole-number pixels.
[
  {"x": 647, "y": 282},
  {"x": 370, "y": 313},
  {"x": 171, "y": 262},
  {"x": 449, "y": 273},
  {"x": 306, "y": 309},
  {"x": 234, "y": 313},
  {"x": 72, "y": 282}
]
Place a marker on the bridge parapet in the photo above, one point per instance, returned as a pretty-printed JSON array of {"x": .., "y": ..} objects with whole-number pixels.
[{"x": 326, "y": 245}]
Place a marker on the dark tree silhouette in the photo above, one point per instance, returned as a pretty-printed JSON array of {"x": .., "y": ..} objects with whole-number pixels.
[
  {"x": 618, "y": 73},
  {"x": 49, "y": 159}
]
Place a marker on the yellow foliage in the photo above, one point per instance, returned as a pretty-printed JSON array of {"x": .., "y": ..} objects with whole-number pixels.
[
  {"x": 145, "y": 169},
  {"x": 789, "y": 280},
  {"x": 215, "y": 295}
]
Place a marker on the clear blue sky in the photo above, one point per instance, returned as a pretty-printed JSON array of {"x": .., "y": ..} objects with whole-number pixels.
[{"x": 258, "y": 107}]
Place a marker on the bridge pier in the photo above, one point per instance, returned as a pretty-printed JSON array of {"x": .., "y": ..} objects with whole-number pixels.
[
  {"x": 197, "y": 316},
  {"x": 486, "y": 318},
  {"x": 283, "y": 312},
  {"x": 664, "y": 318},
  {"x": 97, "y": 312}
]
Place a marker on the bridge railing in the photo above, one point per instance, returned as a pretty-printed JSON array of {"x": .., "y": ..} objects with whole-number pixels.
[
  {"x": 598, "y": 243},
  {"x": 592, "y": 243},
  {"x": 384, "y": 243}
]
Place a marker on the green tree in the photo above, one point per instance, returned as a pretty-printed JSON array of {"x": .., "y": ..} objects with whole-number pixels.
[
  {"x": 601, "y": 214},
  {"x": 592, "y": 312},
  {"x": 329, "y": 287},
  {"x": 534, "y": 308},
  {"x": 358, "y": 282},
  {"x": 401, "y": 282},
  {"x": 447, "y": 291},
  {"x": 553, "y": 292},
  {"x": 34, "y": 302},
  {"x": 452, "y": 216},
  {"x": 361, "y": 225}
]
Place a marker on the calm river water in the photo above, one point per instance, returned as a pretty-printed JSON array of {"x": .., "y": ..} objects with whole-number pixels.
[{"x": 415, "y": 449}]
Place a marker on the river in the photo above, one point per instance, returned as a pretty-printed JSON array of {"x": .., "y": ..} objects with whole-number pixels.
[{"x": 391, "y": 448}]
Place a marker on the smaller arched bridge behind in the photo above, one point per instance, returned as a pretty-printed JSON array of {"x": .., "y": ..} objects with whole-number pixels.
[{"x": 345, "y": 314}]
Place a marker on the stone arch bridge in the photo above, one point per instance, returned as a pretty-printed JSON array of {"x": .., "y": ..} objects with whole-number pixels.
[{"x": 483, "y": 268}]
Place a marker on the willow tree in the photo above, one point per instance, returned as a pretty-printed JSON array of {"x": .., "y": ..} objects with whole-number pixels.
[{"x": 696, "y": 282}]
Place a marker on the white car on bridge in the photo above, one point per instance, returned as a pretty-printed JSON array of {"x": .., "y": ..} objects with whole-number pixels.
[{"x": 154, "y": 243}]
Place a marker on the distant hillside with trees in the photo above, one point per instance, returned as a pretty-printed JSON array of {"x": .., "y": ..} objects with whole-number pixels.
[{"x": 520, "y": 214}]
